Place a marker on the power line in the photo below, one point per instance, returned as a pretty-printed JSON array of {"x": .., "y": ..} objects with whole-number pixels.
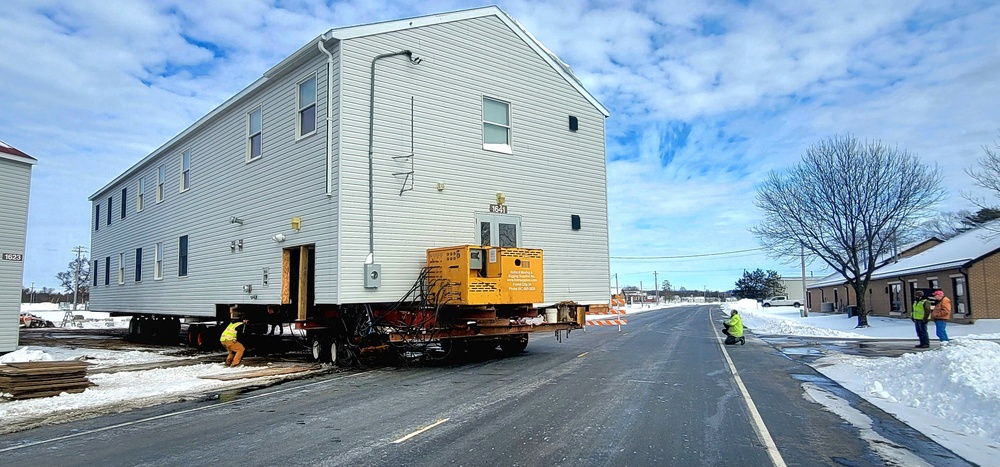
[{"x": 687, "y": 256}]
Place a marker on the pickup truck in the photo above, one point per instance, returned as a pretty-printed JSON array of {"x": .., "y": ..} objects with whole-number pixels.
[{"x": 780, "y": 301}]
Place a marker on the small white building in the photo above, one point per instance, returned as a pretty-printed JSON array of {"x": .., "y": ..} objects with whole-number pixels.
[
  {"x": 15, "y": 181},
  {"x": 324, "y": 182}
]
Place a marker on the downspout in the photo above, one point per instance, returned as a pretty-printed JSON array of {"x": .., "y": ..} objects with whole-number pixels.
[
  {"x": 371, "y": 153},
  {"x": 329, "y": 116},
  {"x": 968, "y": 292}
]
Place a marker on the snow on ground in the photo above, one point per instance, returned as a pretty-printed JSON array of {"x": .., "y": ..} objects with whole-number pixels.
[{"x": 950, "y": 393}]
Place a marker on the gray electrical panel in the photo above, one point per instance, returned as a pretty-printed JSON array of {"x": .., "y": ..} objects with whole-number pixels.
[
  {"x": 475, "y": 259},
  {"x": 373, "y": 275}
]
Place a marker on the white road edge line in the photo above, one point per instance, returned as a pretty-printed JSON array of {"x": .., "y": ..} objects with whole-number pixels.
[
  {"x": 415, "y": 433},
  {"x": 168, "y": 415},
  {"x": 759, "y": 426}
]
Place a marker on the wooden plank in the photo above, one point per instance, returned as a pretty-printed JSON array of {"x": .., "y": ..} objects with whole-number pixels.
[{"x": 275, "y": 371}]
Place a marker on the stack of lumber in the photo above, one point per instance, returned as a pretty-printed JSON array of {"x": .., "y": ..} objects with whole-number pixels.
[{"x": 26, "y": 380}]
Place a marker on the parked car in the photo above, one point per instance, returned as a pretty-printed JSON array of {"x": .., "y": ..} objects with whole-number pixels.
[
  {"x": 29, "y": 320},
  {"x": 780, "y": 300}
]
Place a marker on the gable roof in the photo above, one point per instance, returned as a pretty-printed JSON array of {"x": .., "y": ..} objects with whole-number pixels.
[
  {"x": 349, "y": 32},
  {"x": 10, "y": 152},
  {"x": 957, "y": 252},
  {"x": 558, "y": 65}
]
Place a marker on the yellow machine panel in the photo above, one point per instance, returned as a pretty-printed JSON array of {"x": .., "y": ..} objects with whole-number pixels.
[{"x": 483, "y": 275}]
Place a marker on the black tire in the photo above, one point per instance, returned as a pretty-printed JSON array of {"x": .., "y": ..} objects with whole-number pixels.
[
  {"x": 341, "y": 354},
  {"x": 796, "y": 304},
  {"x": 767, "y": 305},
  {"x": 514, "y": 345}
]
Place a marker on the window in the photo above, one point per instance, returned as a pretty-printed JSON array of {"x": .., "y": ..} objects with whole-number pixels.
[
  {"x": 138, "y": 264},
  {"x": 958, "y": 285},
  {"x": 97, "y": 266},
  {"x": 182, "y": 256},
  {"x": 111, "y": 205},
  {"x": 499, "y": 229},
  {"x": 107, "y": 270},
  {"x": 121, "y": 268},
  {"x": 158, "y": 261},
  {"x": 97, "y": 217},
  {"x": 895, "y": 297},
  {"x": 307, "y": 107},
  {"x": 254, "y": 133},
  {"x": 186, "y": 170},
  {"x": 124, "y": 197},
  {"x": 496, "y": 125},
  {"x": 139, "y": 195},
  {"x": 160, "y": 178}
]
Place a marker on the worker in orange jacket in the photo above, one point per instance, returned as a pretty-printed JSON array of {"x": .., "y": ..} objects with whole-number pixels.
[{"x": 229, "y": 339}]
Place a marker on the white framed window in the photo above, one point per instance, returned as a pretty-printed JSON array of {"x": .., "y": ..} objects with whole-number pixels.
[
  {"x": 182, "y": 256},
  {"x": 186, "y": 170},
  {"x": 161, "y": 178},
  {"x": 158, "y": 261},
  {"x": 255, "y": 132},
  {"x": 306, "y": 104},
  {"x": 121, "y": 268},
  {"x": 496, "y": 125},
  {"x": 138, "y": 264},
  {"x": 140, "y": 194}
]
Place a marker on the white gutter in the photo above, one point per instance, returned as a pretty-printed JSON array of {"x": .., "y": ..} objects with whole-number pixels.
[{"x": 329, "y": 116}]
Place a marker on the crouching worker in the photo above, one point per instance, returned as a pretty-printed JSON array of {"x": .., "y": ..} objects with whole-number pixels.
[
  {"x": 229, "y": 339},
  {"x": 734, "y": 329}
]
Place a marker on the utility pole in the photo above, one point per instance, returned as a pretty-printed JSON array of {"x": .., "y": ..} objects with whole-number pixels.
[
  {"x": 79, "y": 250},
  {"x": 656, "y": 286},
  {"x": 32, "y": 299}
]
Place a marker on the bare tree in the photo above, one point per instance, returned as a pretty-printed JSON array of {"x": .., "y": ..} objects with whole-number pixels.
[
  {"x": 845, "y": 203},
  {"x": 987, "y": 176}
]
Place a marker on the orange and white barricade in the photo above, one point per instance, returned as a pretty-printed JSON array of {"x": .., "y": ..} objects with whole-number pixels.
[{"x": 614, "y": 315}]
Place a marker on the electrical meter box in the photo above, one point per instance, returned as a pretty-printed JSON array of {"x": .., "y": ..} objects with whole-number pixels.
[{"x": 484, "y": 275}]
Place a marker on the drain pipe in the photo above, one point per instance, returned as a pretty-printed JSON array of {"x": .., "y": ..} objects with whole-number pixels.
[
  {"x": 329, "y": 116},
  {"x": 371, "y": 154}
]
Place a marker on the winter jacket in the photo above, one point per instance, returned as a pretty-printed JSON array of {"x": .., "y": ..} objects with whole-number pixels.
[
  {"x": 919, "y": 307},
  {"x": 735, "y": 326},
  {"x": 942, "y": 311}
]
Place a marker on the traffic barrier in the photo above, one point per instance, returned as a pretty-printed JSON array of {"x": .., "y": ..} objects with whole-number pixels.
[{"x": 605, "y": 317}]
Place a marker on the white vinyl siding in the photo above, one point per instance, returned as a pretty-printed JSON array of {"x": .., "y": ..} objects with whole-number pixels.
[
  {"x": 15, "y": 181},
  {"x": 552, "y": 170}
]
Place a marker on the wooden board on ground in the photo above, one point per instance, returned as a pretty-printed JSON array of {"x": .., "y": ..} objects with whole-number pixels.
[
  {"x": 26, "y": 380},
  {"x": 251, "y": 372}
]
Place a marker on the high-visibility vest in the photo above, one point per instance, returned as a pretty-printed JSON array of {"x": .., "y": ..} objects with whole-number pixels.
[
  {"x": 230, "y": 333},
  {"x": 918, "y": 309}
]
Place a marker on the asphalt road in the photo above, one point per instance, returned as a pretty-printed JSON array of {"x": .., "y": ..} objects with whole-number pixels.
[{"x": 661, "y": 392}]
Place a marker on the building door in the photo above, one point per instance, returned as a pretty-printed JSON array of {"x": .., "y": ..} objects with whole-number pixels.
[
  {"x": 503, "y": 230},
  {"x": 298, "y": 273}
]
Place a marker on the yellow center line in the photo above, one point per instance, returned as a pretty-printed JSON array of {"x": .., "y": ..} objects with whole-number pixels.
[
  {"x": 585, "y": 353},
  {"x": 415, "y": 433}
]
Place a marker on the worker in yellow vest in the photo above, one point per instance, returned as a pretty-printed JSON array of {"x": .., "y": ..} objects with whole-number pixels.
[{"x": 229, "y": 339}]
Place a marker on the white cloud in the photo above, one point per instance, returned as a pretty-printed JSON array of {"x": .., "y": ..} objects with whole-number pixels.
[{"x": 721, "y": 90}]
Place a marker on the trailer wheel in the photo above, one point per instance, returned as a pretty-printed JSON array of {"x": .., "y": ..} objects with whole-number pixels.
[
  {"x": 320, "y": 349},
  {"x": 192, "y": 335},
  {"x": 340, "y": 354},
  {"x": 514, "y": 345}
]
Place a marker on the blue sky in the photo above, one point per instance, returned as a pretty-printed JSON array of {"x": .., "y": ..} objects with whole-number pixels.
[{"x": 705, "y": 97}]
